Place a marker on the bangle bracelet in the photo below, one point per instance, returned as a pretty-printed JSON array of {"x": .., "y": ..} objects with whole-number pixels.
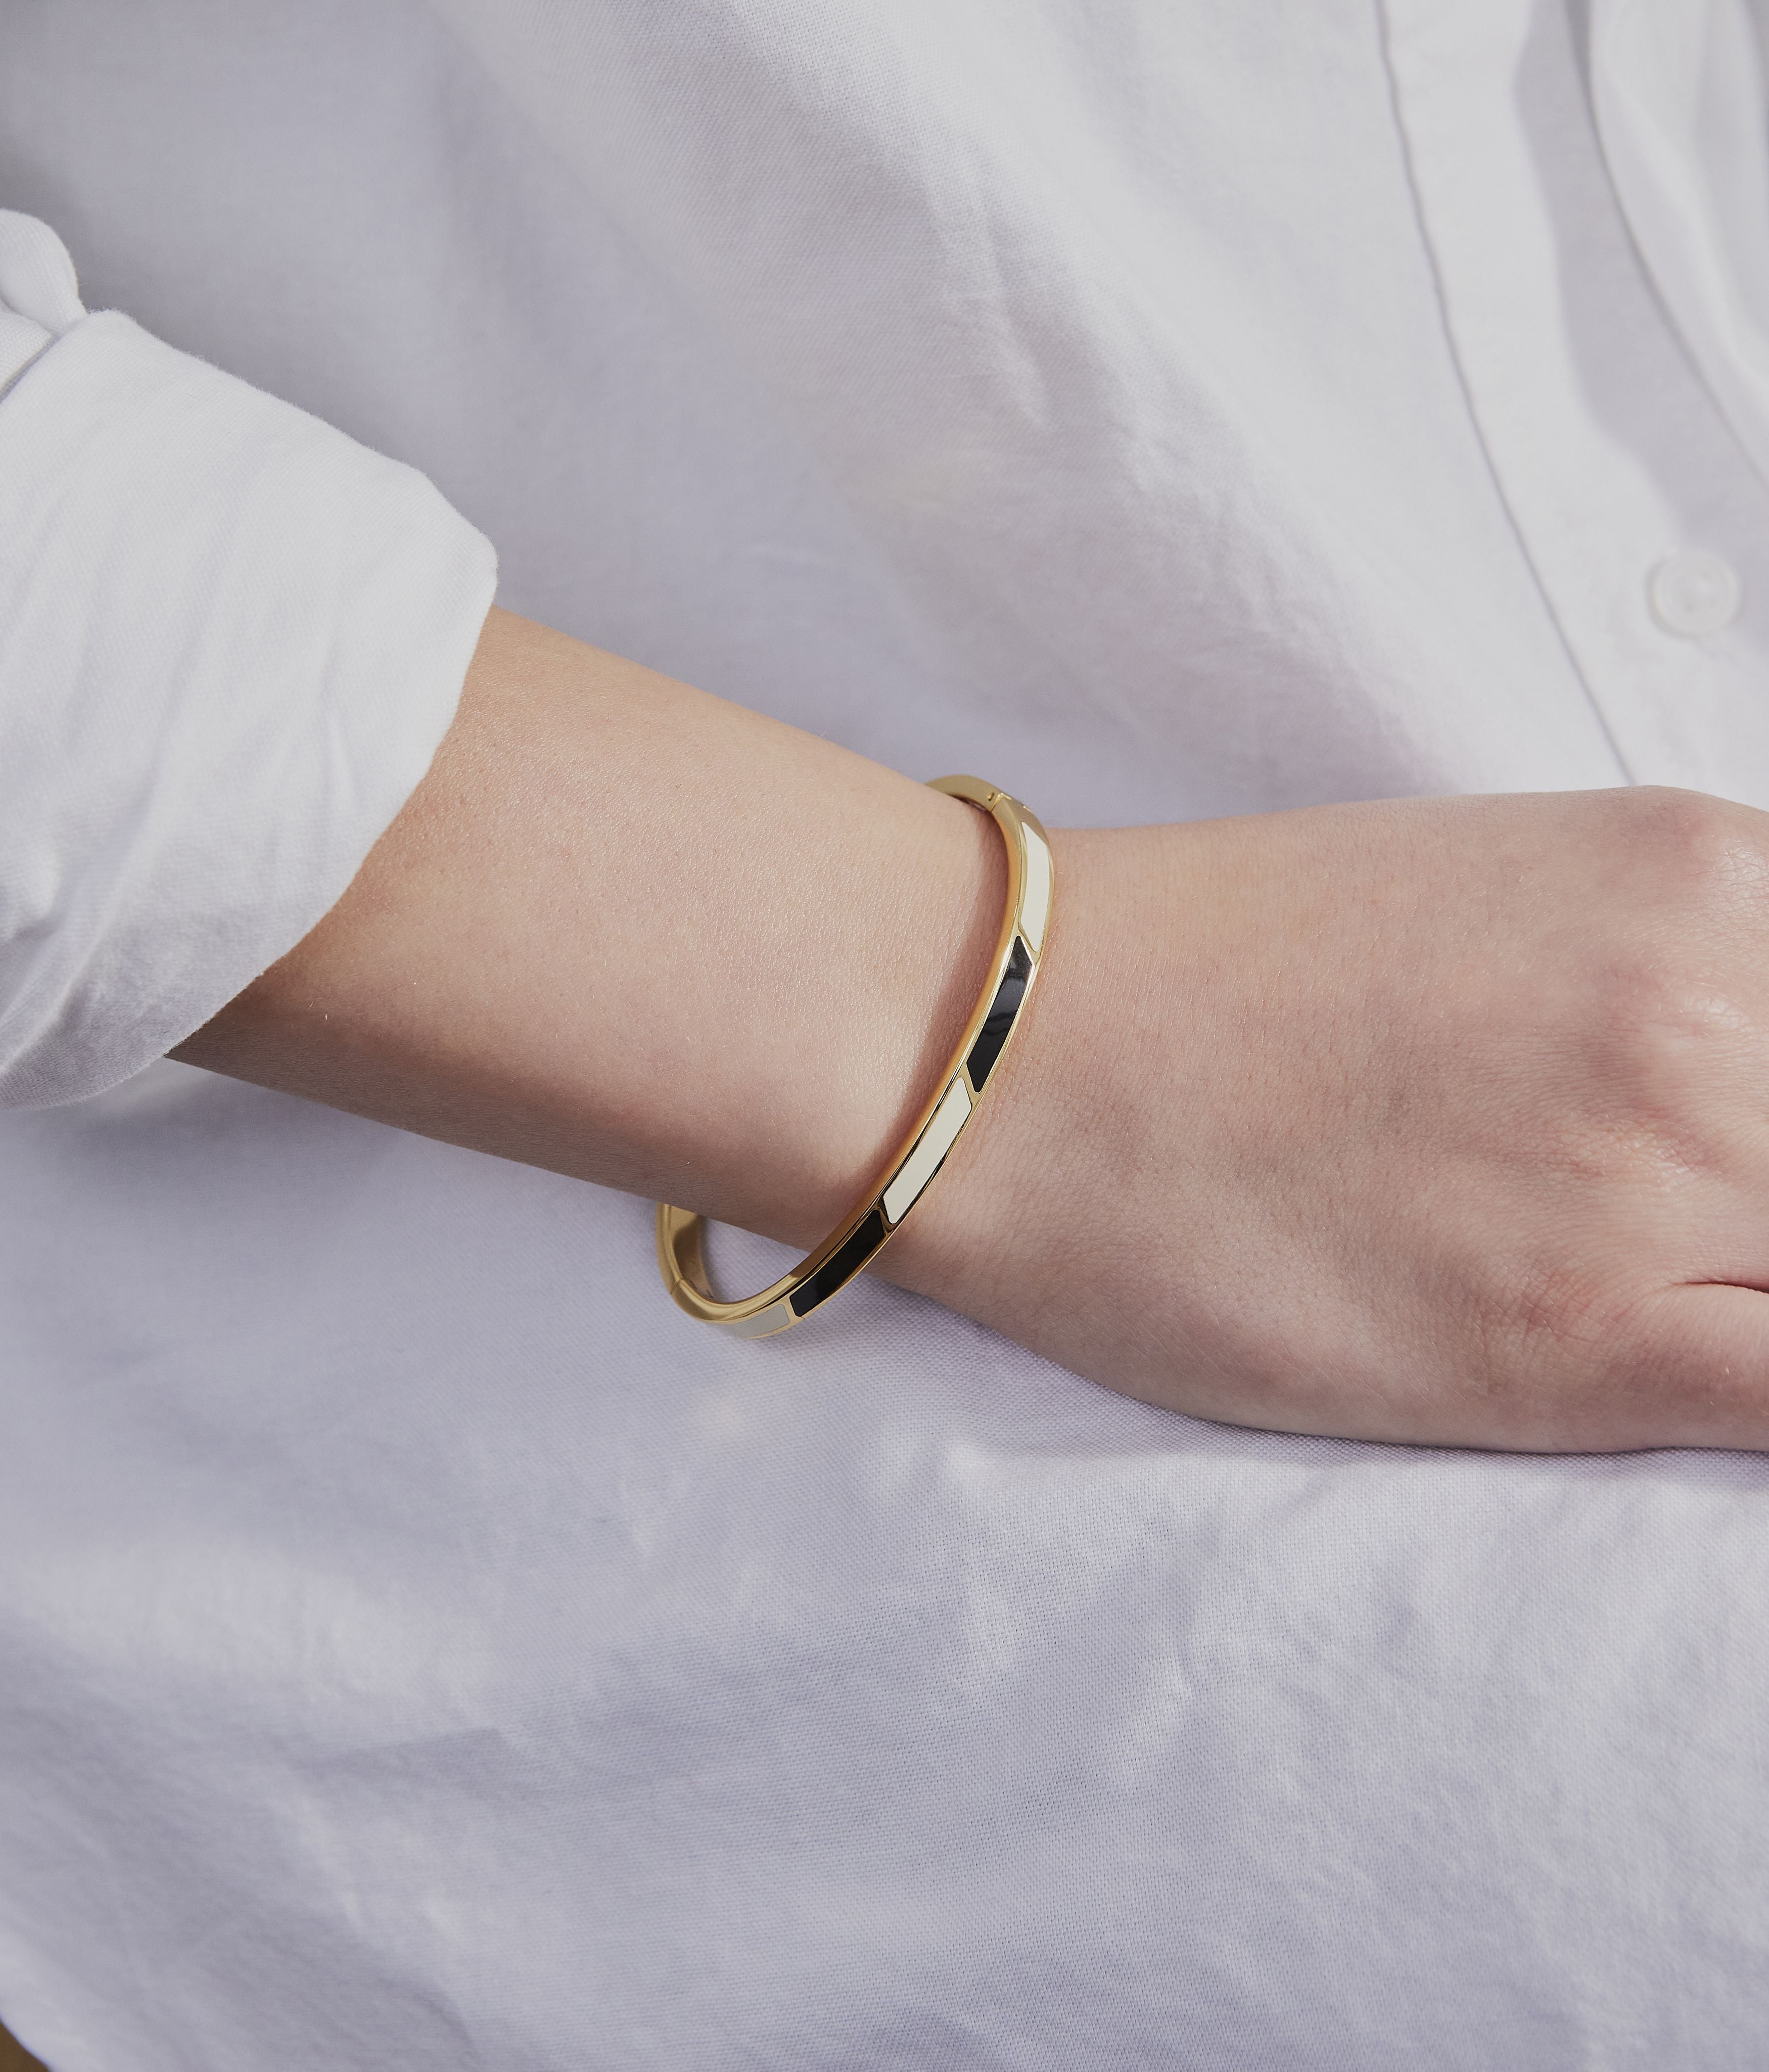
[{"x": 1012, "y": 972}]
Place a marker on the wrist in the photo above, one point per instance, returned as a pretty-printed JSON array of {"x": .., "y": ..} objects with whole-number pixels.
[
  {"x": 634, "y": 934},
  {"x": 979, "y": 1231}
]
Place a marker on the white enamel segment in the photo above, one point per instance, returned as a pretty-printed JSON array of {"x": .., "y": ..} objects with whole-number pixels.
[
  {"x": 764, "y": 1323},
  {"x": 931, "y": 1146},
  {"x": 1034, "y": 908}
]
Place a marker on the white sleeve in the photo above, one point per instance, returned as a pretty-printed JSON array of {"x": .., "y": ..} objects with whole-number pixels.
[{"x": 230, "y": 641}]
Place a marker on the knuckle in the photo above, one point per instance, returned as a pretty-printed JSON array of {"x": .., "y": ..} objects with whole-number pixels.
[{"x": 1707, "y": 851}]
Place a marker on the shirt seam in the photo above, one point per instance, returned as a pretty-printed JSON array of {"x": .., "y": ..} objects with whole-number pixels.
[{"x": 1385, "y": 34}]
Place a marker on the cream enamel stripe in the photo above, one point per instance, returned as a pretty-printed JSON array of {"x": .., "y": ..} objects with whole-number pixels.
[
  {"x": 776, "y": 1317},
  {"x": 1035, "y": 910},
  {"x": 923, "y": 1162}
]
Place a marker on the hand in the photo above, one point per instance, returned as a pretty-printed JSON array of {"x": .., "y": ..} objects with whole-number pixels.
[{"x": 1440, "y": 1120}]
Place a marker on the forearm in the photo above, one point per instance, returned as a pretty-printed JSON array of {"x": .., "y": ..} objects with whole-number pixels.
[
  {"x": 638, "y": 935},
  {"x": 1436, "y": 1119}
]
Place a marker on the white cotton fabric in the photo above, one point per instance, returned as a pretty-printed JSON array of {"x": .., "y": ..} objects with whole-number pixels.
[
  {"x": 1678, "y": 89},
  {"x": 420, "y": 1646},
  {"x": 39, "y": 294},
  {"x": 230, "y": 640}
]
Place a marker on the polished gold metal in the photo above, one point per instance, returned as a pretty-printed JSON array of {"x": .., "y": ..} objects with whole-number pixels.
[{"x": 1013, "y": 971}]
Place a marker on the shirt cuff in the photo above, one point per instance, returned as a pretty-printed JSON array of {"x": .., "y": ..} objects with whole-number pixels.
[{"x": 231, "y": 640}]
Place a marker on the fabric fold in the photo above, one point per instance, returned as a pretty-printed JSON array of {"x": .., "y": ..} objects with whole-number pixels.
[
  {"x": 1677, "y": 90},
  {"x": 231, "y": 640}
]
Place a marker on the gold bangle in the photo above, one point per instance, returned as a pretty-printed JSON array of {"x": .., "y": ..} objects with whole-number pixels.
[{"x": 1013, "y": 971}]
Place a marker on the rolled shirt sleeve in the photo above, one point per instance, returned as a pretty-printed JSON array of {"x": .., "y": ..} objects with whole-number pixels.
[{"x": 231, "y": 640}]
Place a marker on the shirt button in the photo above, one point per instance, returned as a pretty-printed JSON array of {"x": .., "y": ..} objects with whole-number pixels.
[{"x": 1695, "y": 593}]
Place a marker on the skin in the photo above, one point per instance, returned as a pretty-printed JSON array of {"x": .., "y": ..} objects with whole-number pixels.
[{"x": 1439, "y": 1121}]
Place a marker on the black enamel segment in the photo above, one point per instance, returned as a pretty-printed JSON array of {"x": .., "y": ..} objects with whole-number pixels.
[
  {"x": 1002, "y": 1010},
  {"x": 842, "y": 1264}
]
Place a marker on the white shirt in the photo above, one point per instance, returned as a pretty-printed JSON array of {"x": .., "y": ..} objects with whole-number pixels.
[{"x": 418, "y": 1644}]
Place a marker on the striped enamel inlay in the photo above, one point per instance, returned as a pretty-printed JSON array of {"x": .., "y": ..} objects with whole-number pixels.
[
  {"x": 842, "y": 1264},
  {"x": 931, "y": 1147},
  {"x": 1035, "y": 907},
  {"x": 821, "y": 1274},
  {"x": 1000, "y": 1018}
]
